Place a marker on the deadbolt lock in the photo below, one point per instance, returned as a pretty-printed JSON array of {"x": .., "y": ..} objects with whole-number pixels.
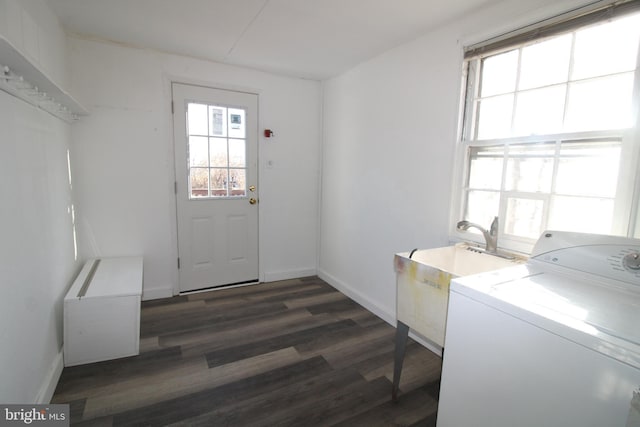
[
  {"x": 253, "y": 201},
  {"x": 252, "y": 188}
]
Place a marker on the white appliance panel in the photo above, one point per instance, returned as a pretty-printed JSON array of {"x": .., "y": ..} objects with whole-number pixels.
[
  {"x": 544, "y": 380},
  {"x": 555, "y": 342}
]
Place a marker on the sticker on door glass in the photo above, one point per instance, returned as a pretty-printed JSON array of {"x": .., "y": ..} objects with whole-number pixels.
[
  {"x": 217, "y": 121},
  {"x": 236, "y": 121}
]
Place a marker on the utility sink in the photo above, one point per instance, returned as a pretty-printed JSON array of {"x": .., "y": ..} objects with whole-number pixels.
[{"x": 423, "y": 283}]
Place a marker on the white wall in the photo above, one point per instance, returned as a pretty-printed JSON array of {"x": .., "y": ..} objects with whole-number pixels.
[
  {"x": 31, "y": 27},
  {"x": 37, "y": 251},
  {"x": 390, "y": 128},
  {"x": 37, "y": 255},
  {"x": 124, "y": 153}
]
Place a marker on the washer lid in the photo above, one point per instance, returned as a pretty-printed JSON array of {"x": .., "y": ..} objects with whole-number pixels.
[
  {"x": 582, "y": 309},
  {"x": 586, "y": 305}
]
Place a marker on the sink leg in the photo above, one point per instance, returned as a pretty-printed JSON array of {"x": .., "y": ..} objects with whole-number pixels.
[{"x": 402, "y": 333}]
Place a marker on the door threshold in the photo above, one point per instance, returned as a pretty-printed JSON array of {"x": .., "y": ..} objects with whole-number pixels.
[{"x": 221, "y": 287}]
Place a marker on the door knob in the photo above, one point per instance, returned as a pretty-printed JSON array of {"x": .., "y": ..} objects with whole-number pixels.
[{"x": 252, "y": 201}]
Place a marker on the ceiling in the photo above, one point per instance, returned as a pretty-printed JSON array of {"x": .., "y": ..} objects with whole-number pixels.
[{"x": 314, "y": 39}]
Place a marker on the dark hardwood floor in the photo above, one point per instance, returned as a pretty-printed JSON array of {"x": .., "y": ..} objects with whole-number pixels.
[{"x": 289, "y": 353}]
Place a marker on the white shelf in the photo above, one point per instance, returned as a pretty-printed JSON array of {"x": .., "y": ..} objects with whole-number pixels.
[{"x": 20, "y": 65}]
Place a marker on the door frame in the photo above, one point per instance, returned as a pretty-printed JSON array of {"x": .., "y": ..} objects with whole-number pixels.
[{"x": 169, "y": 80}]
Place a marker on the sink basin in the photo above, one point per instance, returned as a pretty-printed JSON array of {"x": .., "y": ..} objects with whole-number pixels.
[
  {"x": 422, "y": 284},
  {"x": 460, "y": 260}
]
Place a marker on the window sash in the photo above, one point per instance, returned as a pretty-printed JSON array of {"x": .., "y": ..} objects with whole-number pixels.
[
  {"x": 626, "y": 209},
  {"x": 625, "y": 201},
  {"x": 575, "y": 153},
  {"x": 593, "y": 13}
]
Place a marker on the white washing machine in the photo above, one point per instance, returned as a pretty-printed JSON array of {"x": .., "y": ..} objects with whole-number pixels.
[{"x": 554, "y": 342}]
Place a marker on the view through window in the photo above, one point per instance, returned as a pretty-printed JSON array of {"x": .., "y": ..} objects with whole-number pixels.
[
  {"x": 217, "y": 151},
  {"x": 549, "y": 133}
]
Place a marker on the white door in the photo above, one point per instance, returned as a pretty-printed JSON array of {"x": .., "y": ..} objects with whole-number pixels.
[{"x": 216, "y": 158}]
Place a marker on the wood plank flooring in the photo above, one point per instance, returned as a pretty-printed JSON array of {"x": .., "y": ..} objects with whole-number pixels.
[{"x": 289, "y": 353}]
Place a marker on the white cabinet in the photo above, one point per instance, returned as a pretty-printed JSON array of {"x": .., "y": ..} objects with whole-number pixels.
[{"x": 102, "y": 311}]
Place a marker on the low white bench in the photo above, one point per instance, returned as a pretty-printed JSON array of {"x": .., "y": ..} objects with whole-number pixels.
[{"x": 102, "y": 311}]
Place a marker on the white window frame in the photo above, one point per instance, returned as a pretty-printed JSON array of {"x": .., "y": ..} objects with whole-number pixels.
[
  {"x": 628, "y": 194},
  {"x": 225, "y": 134}
]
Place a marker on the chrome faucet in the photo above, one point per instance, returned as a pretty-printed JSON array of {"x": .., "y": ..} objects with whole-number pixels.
[{"x": 490, "y": 237}]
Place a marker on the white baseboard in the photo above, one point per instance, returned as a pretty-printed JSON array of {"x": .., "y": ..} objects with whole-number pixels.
[
  {"x": 375, "y": 308},
  {"x": 359, "y": 297},
  {"x": 48, "y": 386},
  {"x": 274, "y": 276},
  {"x": 156, "y": 293}
]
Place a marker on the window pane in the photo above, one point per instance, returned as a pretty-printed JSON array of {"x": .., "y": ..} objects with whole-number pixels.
[
  {"x": 603, "y": 103},
  {"x": 524, "y": 217},
  {"x": 606, "y": 49},
  {"x": 218, "y": 147},
  {"x": 529, "y": 175},
  {"x": 237, "y": 153},
  {"x": 236, "y": 123},
  {"x": 237, "y": 180},
  {"x": 219, "y": 179},
  {"x": 218, "y": 120},
  {"x": 494, "y": 117},
  {"x": 196, "y": 119},
  {"x": 482, "y": 206},
  {"x": 485, "y": 169},
  {"x": 198, "y": 151},
  {"x": 588, "y": 168},
  {"x": 530, "y": 167},
  {"x": 545, "y": 63},
  {"x": 585, "y": 215},
  {"x": 199, "y": 182},
  {"x": 499, "y": 73},
  {"x": 540, "y": 111}
]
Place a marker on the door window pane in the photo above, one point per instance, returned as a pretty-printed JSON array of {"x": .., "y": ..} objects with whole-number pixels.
[
  {"x": 237, "y": 182},
  {"x": 218, "y": 149},
  {"x": 219, "y": 180},
  {"x": 197, "y": 119},
  {"x": 218, "y": 120},
  {"x": 236, "y": 123},
  {"x": 198, "y": 151},
  {"x": 237, "y": 153},
  {"x": 199, "y": 182}
]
